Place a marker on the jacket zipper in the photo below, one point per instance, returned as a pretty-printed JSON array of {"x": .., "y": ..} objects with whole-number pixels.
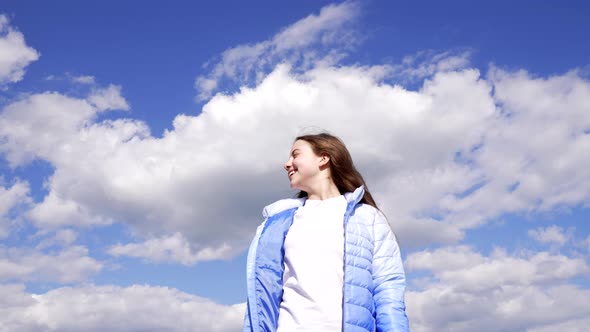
[{"x": 346, "y": 217}]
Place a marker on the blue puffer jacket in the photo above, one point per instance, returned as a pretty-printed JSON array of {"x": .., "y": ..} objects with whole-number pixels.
[{"x": 374, "y": 280}]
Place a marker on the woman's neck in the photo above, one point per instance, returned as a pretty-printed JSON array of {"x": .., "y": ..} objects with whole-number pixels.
[{"x": 323, "y": 190}]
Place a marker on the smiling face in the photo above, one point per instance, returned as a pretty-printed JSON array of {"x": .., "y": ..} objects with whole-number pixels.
[{"x": 303, "y": 166}]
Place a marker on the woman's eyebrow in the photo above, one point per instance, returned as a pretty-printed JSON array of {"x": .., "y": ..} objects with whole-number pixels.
[{"x": 293, "y": 152}]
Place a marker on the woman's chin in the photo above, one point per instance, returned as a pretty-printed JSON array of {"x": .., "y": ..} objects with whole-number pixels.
[{"x": 294, "y": 185}]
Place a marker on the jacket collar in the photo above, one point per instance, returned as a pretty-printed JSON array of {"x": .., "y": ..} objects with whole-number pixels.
[{"x": 290, "y": 203}]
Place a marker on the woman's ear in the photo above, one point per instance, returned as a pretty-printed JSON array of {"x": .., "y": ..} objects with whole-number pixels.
[{"x": 325, "y": 159}]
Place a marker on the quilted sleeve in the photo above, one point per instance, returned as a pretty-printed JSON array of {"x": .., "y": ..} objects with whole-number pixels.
[{"x": 388, "y": 279}]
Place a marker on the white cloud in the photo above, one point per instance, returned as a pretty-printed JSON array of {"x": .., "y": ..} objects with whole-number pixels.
[
  {"x": 15, "y": 55},
  {"x": 11, "y": 198},
  {"x": 50, "y": 125},
  {"x": 516, "y": 308},
  {"x": 463, "y": 269},
  {"x": 173, "y": 248},
  {"x": 40, "y": 126},
  {"x": 574, "y": 325},
  {"x": 427, "y": 63},
  {"x": 469, "y": 291},
  {"x": 552, "y": 235},
  {"x": 99, "y": 308},
  {"x": 54, "y": 212},
  {"x": 324, "y": 27},
  {"x": 66, "y": 266},
  {"x": 314, "y": 40},
  {"x": 13, "y": 302},
  {"x": 525, "y": 171},
  {"x": 108, "y": 99},
  {"x": 440, "y": 160},
  {"x": 61, "y": 238},
  {"x": 80, "y": 79},
  {"x": 84, "y": 79}
]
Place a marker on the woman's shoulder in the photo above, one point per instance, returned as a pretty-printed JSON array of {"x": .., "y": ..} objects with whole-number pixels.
[
  {"x": 369, "y": 214},
  {"x": 366, "y": 208}
]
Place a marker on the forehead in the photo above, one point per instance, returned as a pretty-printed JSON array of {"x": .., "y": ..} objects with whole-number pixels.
[{"x": 301, "y": 145}]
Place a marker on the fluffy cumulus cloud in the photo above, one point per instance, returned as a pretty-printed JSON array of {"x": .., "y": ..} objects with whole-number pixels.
[
  {"x": 442, "y": 159},
  {"x": 15, "y": 54},
  {"x": 108, "y": 99},
  {"x": 61, "y": 238},
  {"x": 64, "y": 266},
  {"x": 47, "y": 125},
  {"x": 13, "y": 201},
  {"x": 552, "y": 235},
  {"x": 171, "y": 248},
  {"x": 315, "y": 40},
  {"x": 463, "y": 269},
  {"x": 100, "y": 308},
  {"x": 502, "y": 292},
  {"x": 574, "y": 325}
]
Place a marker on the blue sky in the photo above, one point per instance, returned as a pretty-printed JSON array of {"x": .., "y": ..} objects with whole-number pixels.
[{"x": 140, "y": 143}]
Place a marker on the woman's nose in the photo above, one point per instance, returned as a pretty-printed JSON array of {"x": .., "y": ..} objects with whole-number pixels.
[{"x": 287, "y": 165}]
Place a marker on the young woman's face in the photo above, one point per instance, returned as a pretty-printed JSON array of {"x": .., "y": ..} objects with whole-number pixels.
[{"x": 303, "y": 166}]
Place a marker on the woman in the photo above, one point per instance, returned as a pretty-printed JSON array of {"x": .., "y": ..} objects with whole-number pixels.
[{"x": 327, "y": 260}]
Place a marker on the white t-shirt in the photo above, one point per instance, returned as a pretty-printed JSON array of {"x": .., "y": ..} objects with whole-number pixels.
[{"x": 314, "y": 268}]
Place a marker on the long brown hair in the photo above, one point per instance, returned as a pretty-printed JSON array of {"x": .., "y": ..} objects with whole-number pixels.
[{"x": 344, "y": 174}]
